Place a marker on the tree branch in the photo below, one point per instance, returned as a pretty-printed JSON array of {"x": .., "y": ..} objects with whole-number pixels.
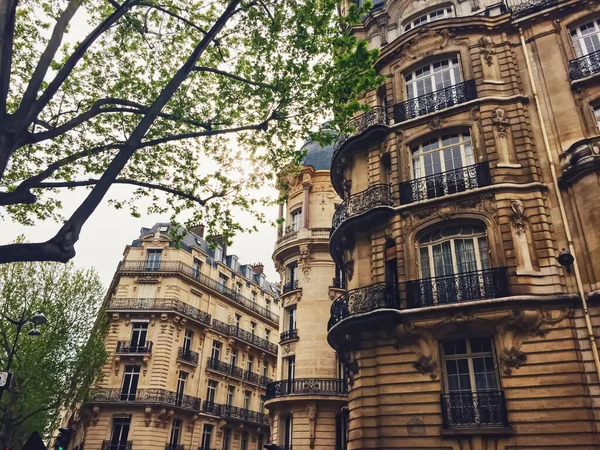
[
  {"x": 158, "y": 187},
  {"x": 234, "y": 77},
  {"x": 172, "y": 14},
  {"x": 8, "y": 11}
]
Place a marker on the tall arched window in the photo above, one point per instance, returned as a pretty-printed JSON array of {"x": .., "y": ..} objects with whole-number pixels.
[{"x": 432, "y": 77}]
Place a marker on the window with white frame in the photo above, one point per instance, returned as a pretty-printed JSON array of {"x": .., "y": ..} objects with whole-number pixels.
[
  {"x": 219, "y": 253},
  {"x": 586, "y": 38},
  {"x": 296, "y": 216},
  {"x": 453, "y": 250},
  {"x": 432, "y": 77},
  {"x": 431, "y": 16},
  {"x": 596, "y": 110},
  {"x": 441, "y": 154}
]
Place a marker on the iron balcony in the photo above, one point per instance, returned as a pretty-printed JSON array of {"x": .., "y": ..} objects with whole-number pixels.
[
  {"x": 474, "y": 409},
  {"x": 361, "y": 202},
  {"x": 236, "y": 413},
  {"x": 245, "y": 336},
  {"x": 307, "y": 386},
  {"x": 146, "y": 396},
  {"x": 116, "y": 445},
  {"x": 188, "y": 356},
  {"x": 445, "y": 183},
  {"x": 585, "y": 66},
  {"x": 291, "y": 286},
  {"x": 129, "y": 348},
  {"x": 435, "y": 101},
  {"x": 159, "y": 304},
  {"x": 288, "y": 335}
]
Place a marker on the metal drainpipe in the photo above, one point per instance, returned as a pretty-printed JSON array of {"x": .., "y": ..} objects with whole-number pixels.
[{"x": 561, "y": 207}]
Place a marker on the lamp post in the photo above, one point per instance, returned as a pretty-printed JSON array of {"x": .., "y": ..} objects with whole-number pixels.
[{"x": 34, "y": 320}]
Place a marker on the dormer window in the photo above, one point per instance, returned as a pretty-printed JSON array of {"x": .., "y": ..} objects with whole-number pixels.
[
  {"x": 431, "y": 16},
  {"x": 219, "y": 253},
  {"x": 163, "y": 228}
]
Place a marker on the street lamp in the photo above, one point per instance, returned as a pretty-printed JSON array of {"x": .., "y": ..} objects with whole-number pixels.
[{"x": 34, "y": 320}]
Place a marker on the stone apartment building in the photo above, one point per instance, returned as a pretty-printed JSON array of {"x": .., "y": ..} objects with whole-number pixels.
[
  {"x": 192, "y": 347},
  {"x": 307, "y": 403},
  {"x": 470, "y": 229}
]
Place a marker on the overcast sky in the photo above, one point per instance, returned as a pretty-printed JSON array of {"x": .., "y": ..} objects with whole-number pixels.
[{"x": 108, "y": 231}]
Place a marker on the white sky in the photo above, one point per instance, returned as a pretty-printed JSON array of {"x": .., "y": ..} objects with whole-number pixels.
[{"x": 108, "y": 231}]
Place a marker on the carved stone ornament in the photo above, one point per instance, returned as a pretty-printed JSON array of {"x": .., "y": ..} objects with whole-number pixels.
[
  {"x": 426, "y": 43},
  {"x": 382, "y": 26},
  {"x": 288, "y": 348},
  {"x": 484, "y": 203},
  {"x": 436, "y": 123},
  {"x": 349, "y": 269},
  {"x": 148, "y": 415},
  {"x": 519, "y": 220},
  {"x": 95, "y": 415},
  {"x": 488, "y": 49},
  {"x": 422, "y": 343},
  {"x": 163, "y": 417},
  {"x": 520, "y": 325},
  {"x": 305, "y": 259},
  {"x": 500, "y": 121},
  {"x": 311, "y": 413}
]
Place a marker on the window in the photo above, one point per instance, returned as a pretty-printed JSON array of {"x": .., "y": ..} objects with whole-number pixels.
[
  {"x": 259, "y": 445},
  {"x": 296, "y": 219},
  {"x": 211, "y": 391},
  {"x": 267, "y": 334},
  {"x": 219, "y": 253},
  {"x": 290, "y": 313},
  {"x": 226, "y": 439},
  {"x": 247, "y": 398},
  {"x": 287, "y": 432},
  {"x": 139, "y": 332},
  {"x": 234, "y": 357},
  {"x": 175, "y": 434},
  {"x": 146, "y": 290},
  {"x": 433, "y": 77},
  {"x": 292, "y": 277},
  {"x": 163, "y": 228},
  {"x": 238, "y": 319},
  {"x": 207, "y": 432},
  {"x": 196, "y": 268},
  {"x": 181, "y": 379},
  {"x": 216, "y": 350},
  {"x": 429, "y": 17},
  {"x": 238, "y": 288},
  {"x": 340, "y": 277},
  {"x": 341, "y": 430},
  {"x": 253, "y": 296},
  {"x": 253, "y": 328},
  {"x": 472, "y": 383},
  {"x": 120, "y": 433},
  {"x": 290, "y": 367},
  {"x": 597, "y": 116},
  {"x": 188, "y": 339},
  {"x": 250, "y": 363},
  {"x": 244, "y": 443},
  {"x": 586, "y": 38},
  {"x": 131, "y": 377},
  {"x": 448, "y": 152},
  {"x": 266, "y": 369},
  {"x": 268, "y": 302},
  {"x": 222, "y": 285},
  {"x": 153, "y": 259},
  {"x": 230, "y": 395},
  {"x": 261, "y": 406}
]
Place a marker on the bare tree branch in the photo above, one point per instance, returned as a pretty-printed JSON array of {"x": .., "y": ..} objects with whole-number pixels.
[
  {"x": 234, "y": 77},
  {"x": 8, "y": 11},
  {"x": 172, "y": 14}
]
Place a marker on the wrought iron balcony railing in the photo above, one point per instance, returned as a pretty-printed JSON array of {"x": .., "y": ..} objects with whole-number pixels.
[
  {"x": 174, "y": 447},
  {"x": 445, "y": 183},
  {"x": 116, "y": 445},
  {"x": 245, "y": 415},
  {"x": 480, "y": 409},
  {"x": 243, "y": 335},
  {"x": 187, "y": 355},
  {"x": 522, "y": 8},
  {"x": 129, "y": 348},
  {"x": 339, "y": 283},
  {"x": 461, "y": 287},
  {"x": 288, "y": 287},
  {"x": 224, "y": 368},
  {"x": 376, "y": 195},
  {"x": 585, "y": 66},
  {"x": 189, "y": 271},
  {"x": 307, "y": 386},
  {"x": 288, "y": 335},
  {"x": 363, "y": 300},
  {"x": 435, "y": 101},
  {"x": 159, "y": 304},
  {"x": 211, "y": 408},
  {"x": 377, "y": 115},
  {"x": 146, "y": 396}
]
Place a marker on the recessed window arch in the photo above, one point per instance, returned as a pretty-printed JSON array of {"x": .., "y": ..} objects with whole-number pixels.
[
  {"x": 433, "y": 76},
  {"x": 437, "y": 13},
  {"x": 455, "y": 248}
]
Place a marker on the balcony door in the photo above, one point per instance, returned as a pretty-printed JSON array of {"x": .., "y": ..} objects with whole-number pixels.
[
  {"x": 153, "y": 259},
  {"x": 432, "y": 77},
  {"x": 131, "y": 377},
  {"x": 230, "y": 395},
  {"x": 439, "y": 165},
  {"x": 188, "y": 338},
  {"x": 586, "y": 38},
  {"x": 181, "y": 380},
  {"x": 472, "y": 382},
  {"x": 207, "y": 432},
  {"x": 139, "y": 333},
  {"x": 451, "y": 259},
  {"x": 216, "y": 351},
  {"x": 175, "y": 434},
  {"x": 120, "y": 433}
]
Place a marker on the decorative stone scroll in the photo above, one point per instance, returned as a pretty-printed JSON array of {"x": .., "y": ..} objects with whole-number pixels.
[
  {"x": 423, "y": 344},
  {"x": 488, "y": 49}
]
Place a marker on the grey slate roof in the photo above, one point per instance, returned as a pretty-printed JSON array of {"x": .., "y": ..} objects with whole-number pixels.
[
  {"x": 191, "y": 240},
  {"x": 317, "y": 156}
]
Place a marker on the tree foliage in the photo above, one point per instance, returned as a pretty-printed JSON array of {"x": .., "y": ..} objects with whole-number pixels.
[
  {"x": 195, "y": 104},
  {"x": 55, "y": 369}
]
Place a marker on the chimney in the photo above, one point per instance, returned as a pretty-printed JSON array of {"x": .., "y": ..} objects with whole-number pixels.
[
  {"x": 198, "y": 230},
  {"x": 258, "y": 268}
]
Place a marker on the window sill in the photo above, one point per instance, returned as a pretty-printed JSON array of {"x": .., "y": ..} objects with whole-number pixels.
[{"x": 477, "y": 431}]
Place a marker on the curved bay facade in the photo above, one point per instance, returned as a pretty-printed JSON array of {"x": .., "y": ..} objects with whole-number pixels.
[
  {"x": 307, "y": 402},
  {"x": 469, "y": 229}
]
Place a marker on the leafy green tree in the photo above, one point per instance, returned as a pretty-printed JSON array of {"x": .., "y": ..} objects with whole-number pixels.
[
  {"x": 194, "y": 103},
  {"x": 54, "y": 370}
]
